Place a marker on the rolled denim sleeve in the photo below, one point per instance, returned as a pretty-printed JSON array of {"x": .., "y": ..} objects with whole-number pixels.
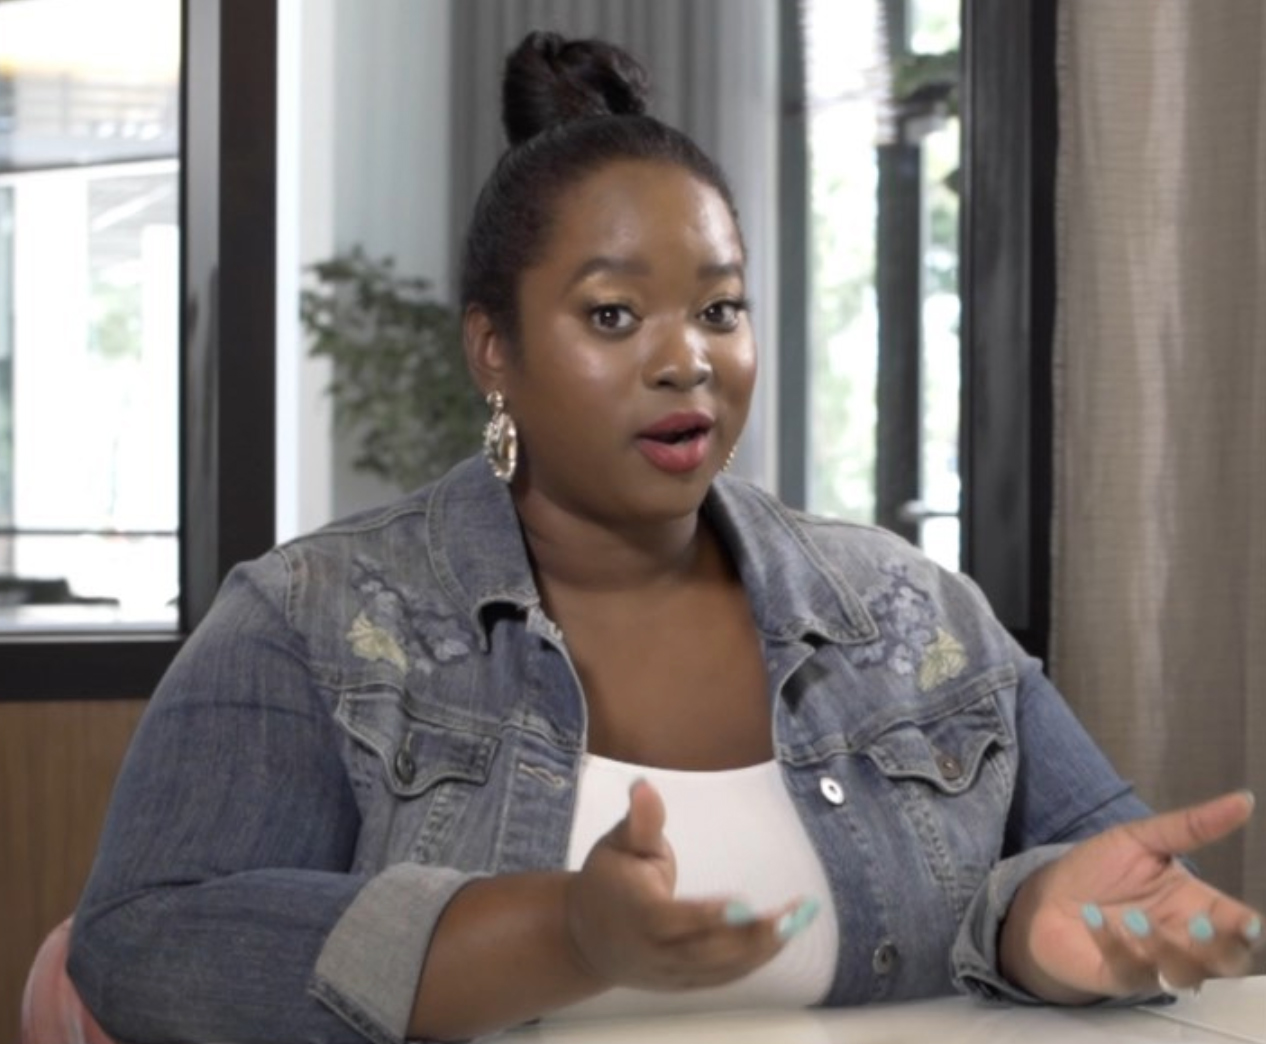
[
  {"x": 974, "y": 957},
  {"x": 224, "y": 875},
  {"x": 369, "y": 968},
  {"x": 1065, "y": 791}
]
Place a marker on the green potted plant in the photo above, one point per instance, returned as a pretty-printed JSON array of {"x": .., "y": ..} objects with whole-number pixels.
[{"x": 399, "y": 382}]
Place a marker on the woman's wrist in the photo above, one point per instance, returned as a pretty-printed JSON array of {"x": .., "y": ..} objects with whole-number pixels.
[
  {"x": 502, "y": 954},
  {"x": 582, "y": 966},
  {"x": 1017, "y": 962}
]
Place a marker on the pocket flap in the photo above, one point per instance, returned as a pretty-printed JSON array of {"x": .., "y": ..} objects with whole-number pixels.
[
  {"x": 946, "y": 752},
  {"x": 416, "y": 753}
]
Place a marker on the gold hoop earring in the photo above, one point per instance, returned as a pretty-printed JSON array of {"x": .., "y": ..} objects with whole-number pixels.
[{"x": 501, "y": 439}]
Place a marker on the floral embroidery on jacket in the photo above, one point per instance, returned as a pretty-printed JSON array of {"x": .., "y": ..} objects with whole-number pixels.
[
  {"x": 911, "y": 640},
  {"x": 394, "y": 626},
  {"x": 371, "y": 642},
  {"x": 944, "y": 659}
]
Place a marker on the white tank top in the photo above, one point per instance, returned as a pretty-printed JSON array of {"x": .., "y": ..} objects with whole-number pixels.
[{"x": 734, "y": 834}]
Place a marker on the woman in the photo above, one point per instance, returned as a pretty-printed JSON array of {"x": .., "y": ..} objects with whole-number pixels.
[{"x": 588, "y": 726}]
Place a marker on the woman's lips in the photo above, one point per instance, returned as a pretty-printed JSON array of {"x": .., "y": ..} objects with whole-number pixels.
[
  {"x": 675, "y": 425},
  {"x": 679, "y": 442},
  {"x": 677, "y": 457}
]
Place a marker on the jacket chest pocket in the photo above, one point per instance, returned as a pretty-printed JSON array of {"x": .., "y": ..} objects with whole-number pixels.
[
  {"x": 948, "y": 753},
  {"x": 416, "y": 776},
  {"x": 951, "y": 778}
]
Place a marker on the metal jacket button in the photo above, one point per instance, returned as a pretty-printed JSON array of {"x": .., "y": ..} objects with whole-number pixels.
[
  {"x": 884, "y": 959},
  {"x": 831, "y": 790},
  {"x": 951, "y": 768},
  {"x": 406, "y": 768}
]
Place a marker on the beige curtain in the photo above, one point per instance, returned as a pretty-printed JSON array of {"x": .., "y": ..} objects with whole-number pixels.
[{"x": 1159, "y": 587}]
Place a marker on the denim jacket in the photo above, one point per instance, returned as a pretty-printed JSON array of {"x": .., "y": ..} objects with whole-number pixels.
[{"x": 374, "y": 714}]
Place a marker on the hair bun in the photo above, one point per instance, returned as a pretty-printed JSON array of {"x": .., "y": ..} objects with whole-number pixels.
[{"x": 550, "y": 80}]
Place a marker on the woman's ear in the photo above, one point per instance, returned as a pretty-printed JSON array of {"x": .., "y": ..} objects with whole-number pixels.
[{"x": 487, "y": 354}]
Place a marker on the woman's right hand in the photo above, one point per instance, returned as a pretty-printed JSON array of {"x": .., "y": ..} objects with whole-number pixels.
[{"x": 629, "y": 930}]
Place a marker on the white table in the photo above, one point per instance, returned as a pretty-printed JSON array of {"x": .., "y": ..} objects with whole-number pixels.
[{"x": 1230, "y": 1010}]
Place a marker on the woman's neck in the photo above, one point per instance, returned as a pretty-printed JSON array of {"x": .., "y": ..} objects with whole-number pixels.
[{"x": 585, "y": 555}]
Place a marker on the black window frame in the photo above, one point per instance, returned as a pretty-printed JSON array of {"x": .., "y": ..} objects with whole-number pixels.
[
  {"x": 228, "y": 223},
  {"x": 1009, "y": 290},
  {"x": 1009, "y": 105}
]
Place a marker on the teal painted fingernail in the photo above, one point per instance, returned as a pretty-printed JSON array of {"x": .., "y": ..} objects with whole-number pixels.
[
  {"x": 1137, "y": 922},
  {"x": 1201, "y": 928},
  {"x": 1092, "y": 915},
  {"x": 796, "y": 921},
  {"x": 1253, "y": 930},
  {"x": 738, "y": 913}
]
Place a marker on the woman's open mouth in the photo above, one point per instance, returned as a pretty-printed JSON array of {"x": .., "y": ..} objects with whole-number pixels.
[{"x": 678, "y": 443}]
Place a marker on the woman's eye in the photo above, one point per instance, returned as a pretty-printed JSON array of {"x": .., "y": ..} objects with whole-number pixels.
[
  {"x": 724, "y": 315},
  {"x": 612, "y": 318}
]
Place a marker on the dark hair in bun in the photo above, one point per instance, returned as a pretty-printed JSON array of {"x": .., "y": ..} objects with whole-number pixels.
[
  {"x": 549, "y": 80},
  {"x": 569, "y": 107}
]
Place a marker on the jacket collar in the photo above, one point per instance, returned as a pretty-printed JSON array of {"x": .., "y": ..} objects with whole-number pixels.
[
  {"x": 476, "y": 545},
  {"x": 477, "y": 552},
  {"x": 794, "y": 590}
]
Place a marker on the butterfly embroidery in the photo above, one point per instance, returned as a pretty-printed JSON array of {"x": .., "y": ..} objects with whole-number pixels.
[
  {"x": 943, "y": 659},
  {"x": 371, "y": 642}
]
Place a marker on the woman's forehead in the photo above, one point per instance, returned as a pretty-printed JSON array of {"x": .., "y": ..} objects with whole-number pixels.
[{"x": 636, "y": 209}]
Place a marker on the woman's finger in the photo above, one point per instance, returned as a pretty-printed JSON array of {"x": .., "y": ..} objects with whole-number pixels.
[
  {"x": 1181, "y": 960},
  {"x": 674, "y": 922},
  {"x": 1144, "y": 957},
  {"x": 1186, "y": 829},
  {"x": 641, "y": 832},
  {"x": 1212, "y": 935},
  {"x": 1176, "y": 945},
  {"x": 683, "y": 920},
  {"x": 1127, "y": 966},
  {"x": 728, "y": 951}
]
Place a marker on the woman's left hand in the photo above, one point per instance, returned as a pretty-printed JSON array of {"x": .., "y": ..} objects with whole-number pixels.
[{"x": 1118, "y": 915}]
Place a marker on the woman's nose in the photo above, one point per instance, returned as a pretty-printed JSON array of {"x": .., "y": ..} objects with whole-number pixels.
[{"x": 680, "y": 361}]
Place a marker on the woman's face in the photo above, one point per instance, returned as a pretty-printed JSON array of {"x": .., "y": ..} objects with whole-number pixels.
[{"x": 636, "y": 360}]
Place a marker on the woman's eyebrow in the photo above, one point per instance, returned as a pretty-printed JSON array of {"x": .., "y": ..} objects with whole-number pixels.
[
  {"x": 611, "y": 265},
  {"x": 721, "y": 269},
  {"x": 631, "y": 266}
]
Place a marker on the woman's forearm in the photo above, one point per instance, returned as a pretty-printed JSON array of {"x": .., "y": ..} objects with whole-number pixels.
[{"x": 500, "y": 955}]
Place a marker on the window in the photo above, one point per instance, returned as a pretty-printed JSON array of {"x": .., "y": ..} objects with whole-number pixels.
[
  {"x": 91, "y": 395},
  {"x": 884, "y": 361},
  {"x": 89, "y": 325},
  {"x": 159, "y": 191},
  {"x": 966, "y": 474}
]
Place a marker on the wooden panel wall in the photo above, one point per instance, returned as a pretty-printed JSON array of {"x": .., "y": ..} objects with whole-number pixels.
[{"x": 58, "y": 761}]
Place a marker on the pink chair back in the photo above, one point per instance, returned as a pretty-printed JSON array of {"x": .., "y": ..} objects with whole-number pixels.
[{"x": 52, "y": 1012}]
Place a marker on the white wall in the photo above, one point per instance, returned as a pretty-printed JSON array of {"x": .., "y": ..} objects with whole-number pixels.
[
  {"x": 305, "y": 223},
  {"x": 365, "y": 109}
]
